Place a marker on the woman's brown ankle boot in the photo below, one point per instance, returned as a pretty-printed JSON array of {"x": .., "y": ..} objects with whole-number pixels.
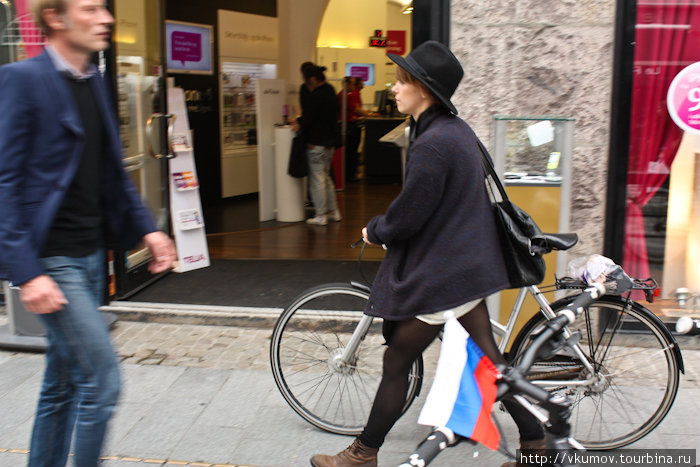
[
  {"x": 355, "y": 455},
  {"x": 535, "y": 446}
]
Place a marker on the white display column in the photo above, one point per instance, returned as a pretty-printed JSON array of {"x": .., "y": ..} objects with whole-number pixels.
[
  {"x": 269, "y": 105},
  {"x": 289, "y": 194}
]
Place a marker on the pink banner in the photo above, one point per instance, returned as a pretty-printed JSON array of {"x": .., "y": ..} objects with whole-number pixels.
[{"x": 31, "y": 34}]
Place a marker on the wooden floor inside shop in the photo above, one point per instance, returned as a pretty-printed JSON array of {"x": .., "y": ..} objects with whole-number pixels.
[{"x": 234, "y": 231}]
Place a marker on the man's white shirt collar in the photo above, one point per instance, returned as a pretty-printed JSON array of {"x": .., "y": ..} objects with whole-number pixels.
[{"x": 63, "y": 66}]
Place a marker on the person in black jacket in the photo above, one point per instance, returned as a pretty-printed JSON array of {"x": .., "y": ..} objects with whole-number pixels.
[
  {"x": 318, "y": 122},
  {"x": 66, "y": 198},
  {"x": 443, "y": 255}
]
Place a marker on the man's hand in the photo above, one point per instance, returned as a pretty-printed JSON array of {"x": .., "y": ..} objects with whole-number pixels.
[
  {"x": 42, "y": 295},
  {"x": 162, "y": 250}
]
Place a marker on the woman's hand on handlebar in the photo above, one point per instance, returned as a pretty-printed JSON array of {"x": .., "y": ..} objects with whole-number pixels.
[{"x": 365, "y": 237}]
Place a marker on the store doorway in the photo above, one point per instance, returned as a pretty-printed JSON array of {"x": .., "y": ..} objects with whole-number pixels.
[
  {"x": 139, "y": 79},
  {"x": 342, "y": 45}
]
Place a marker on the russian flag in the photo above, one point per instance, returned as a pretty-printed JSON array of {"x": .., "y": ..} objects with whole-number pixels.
[{"x": 464, "y": 389}]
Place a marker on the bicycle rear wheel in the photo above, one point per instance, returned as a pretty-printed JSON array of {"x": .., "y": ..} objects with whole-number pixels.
[
  {"x": 307, "y": 342},
  {"x": 636, "y": 372}
]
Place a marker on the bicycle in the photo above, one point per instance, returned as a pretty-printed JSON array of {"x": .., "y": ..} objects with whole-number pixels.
[
  {"x": 512, "y": 381},
  {"x": 326, "y": 359}
]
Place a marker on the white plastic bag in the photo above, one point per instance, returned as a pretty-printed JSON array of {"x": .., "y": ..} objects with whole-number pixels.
[
  {"x": 597, "y": 268},
  {"x": 590, "y": 269}
]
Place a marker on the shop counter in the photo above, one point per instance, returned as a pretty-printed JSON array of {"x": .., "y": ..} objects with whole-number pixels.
[
  {"x": 289, "y": 198},
  {"x": 382, "y": 160}
]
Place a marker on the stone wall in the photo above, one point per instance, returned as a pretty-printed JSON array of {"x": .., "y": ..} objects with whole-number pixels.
[{"x": 537, "y": 58}]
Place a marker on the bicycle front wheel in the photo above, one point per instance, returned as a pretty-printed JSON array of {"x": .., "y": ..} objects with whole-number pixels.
[
  {"x": 307, "y": 344},
  {"x": 635, "y": 378}
]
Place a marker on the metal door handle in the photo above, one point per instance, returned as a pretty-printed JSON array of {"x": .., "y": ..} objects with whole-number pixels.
[
  {"x": 171, "y": 133},
  {"x": 154, "y": 148}
]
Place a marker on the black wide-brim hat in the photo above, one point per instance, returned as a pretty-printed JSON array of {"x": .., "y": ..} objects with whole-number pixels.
[{"x": 436, "y": 67}]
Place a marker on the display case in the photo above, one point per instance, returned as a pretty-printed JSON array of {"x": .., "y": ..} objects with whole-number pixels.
[
  {"x": 238, "y": 120},
  {"x": 238, "y": 126},
  {"x": 532, "y": 150},
  {"x": 532, "y": 156}
]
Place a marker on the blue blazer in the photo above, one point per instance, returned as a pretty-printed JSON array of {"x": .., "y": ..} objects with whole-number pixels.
[{"x": 41, "y": 142}]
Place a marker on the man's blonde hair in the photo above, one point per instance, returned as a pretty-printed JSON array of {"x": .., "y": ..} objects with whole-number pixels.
[{"x": 41, "y": 5}]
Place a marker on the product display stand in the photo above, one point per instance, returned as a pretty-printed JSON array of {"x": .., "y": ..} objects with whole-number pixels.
[
  {"x": 185, "y": 205},
  {"x": 269, "y": 101}
]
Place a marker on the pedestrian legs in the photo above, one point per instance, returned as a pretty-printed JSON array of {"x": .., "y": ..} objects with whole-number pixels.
[{"x": 81, "y": 381}]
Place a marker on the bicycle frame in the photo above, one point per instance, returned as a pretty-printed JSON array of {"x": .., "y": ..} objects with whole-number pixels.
[
  {"x": 357, "y": 336},
  {"x": 504, "y": 332}
]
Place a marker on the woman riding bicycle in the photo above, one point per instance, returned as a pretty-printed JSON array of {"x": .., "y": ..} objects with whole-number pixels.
[{"x": 443, "y": 252}]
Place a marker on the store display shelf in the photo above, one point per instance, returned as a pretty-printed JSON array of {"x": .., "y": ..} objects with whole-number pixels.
[{"x": 240, "y": 150}]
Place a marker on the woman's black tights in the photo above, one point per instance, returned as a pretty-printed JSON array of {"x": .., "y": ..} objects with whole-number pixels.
[{"x": 408, "y": 341}]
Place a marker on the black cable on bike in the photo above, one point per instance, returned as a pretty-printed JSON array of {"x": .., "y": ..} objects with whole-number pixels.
[{"x": 359, "y": 260}]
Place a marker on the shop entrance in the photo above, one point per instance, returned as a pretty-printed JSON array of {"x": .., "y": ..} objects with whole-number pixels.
[
  {"x": 137, "y": 64},
  {"x": 342, "y": 45}
]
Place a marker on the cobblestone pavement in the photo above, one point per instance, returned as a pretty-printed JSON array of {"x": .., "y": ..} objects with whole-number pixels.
[
  {"x": 155, "y": 353},
  {"x": 235, "y": 348},
  {"x": 247, "y": 348}
]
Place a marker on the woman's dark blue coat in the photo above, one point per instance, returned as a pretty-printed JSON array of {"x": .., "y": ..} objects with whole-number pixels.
[{"x": 440, "y": 232}]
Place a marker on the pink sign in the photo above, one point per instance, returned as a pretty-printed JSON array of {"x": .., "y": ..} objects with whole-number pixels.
[
  {"x": 360, "y": 71},
  {"x": 186, "y": 46},
  {"x": 683, "y": 98}
]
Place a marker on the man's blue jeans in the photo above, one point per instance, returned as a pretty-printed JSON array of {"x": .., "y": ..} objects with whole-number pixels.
[{"x": 81, "y": 380}]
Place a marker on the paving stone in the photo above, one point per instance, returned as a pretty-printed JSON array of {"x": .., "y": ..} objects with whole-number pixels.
[
  {"x": 9, "y": 459},
  {"x": 20, "y": 435},
  {"x": 16, "y": 371},
  {"x": 18, "y": 404},
  {"x": 175, "y": 411}
]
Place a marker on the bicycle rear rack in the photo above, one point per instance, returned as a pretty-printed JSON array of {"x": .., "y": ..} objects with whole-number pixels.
[{"x": 649, "y": 286}]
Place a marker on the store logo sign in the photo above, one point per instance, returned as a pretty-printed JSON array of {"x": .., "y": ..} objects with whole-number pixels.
[
  {"x": 193, "y": 259},
  {"x": 396, "y": 42},
  {"x": 683, "y": 98}
]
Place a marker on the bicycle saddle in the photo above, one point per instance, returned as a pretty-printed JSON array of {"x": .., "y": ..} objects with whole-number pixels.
[{"x": 560, "y": 241}]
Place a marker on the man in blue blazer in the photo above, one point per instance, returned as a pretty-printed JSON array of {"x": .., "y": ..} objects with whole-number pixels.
[{"x": 64, "y": 196}]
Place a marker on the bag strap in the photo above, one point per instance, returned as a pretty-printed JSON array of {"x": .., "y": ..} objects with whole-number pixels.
[{"x": 487, "y": 165}]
